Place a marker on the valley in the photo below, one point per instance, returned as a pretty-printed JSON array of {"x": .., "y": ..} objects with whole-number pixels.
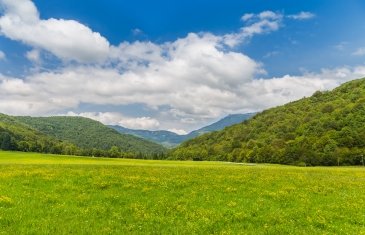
[{"x": 182, "y": 117}]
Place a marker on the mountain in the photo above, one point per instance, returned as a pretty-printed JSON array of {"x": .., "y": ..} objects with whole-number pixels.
[
  {"x": 166, "y": 138},
  {"x": 327, "y": 128},
  {"x": 171, "y": 139},
  {"x": 221, "y": 124},
  {"x": 88, "y": 134},
  {"x": 15, "y": 135}
]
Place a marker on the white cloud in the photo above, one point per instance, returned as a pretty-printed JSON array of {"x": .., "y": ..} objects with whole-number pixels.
[
  {"x": 140, "y": 123},
  {"x": 247, "y": 16},
  {"x": 178, "y": 131},
  {"x": 113, "y": 118},
  {"x": 2, "y": 55},
  {"x": 66, "y": 39},
  {"x": 137, "y": 54},
  {"x": 359, "y": 52},
  {"x": 265, "y": 15},
  {"x": 34, "y": 56},
  {"x": 304, "y": 15},
  {"x": 264, "y": 22}
]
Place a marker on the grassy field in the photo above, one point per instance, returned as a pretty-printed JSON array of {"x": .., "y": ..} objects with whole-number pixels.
[{"x": 45, "y": 194}]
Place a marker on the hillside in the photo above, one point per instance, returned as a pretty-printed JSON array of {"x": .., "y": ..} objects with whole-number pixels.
[
  {"x": 15, "y": 135},
  {"x": 325, "y": 129},
  {"x": 89, "y": 134},
  {"x": 220, "y": 125},
  {"x": 171, "y": 139}
]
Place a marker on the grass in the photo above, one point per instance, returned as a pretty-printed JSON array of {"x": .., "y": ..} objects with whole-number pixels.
[{"x": 47, "y": 194}]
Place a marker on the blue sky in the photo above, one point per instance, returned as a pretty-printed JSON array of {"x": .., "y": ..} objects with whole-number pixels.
[{"x": 173, "y": 65}]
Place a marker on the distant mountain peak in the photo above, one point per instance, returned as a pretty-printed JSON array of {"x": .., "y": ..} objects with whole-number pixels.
[{"x": 172, "y": 139}]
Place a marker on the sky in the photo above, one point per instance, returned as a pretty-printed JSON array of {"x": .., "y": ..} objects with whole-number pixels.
[{"x": 173, "y": 65}]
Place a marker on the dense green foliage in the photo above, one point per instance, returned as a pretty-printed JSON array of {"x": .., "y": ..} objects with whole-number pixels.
[
  {"x": 325, "y": 129},
  {"x": 92, "y": 136},
  {"x": 42, "y": 194},
  {"x": 170, "y": 139},
  {"x": 15, "y": 135}
]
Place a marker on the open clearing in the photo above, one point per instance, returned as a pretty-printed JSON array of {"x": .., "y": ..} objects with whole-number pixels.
[{"x": 47, "y": 194}]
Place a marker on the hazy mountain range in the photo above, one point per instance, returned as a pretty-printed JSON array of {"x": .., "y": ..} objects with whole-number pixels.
[{"x": 171, "y": 139}]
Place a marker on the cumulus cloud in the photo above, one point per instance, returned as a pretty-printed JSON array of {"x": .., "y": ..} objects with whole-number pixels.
[
  {"x": 182, "y": 77},
  {"x": 304, "y": 15},
  {"x": 66, "y": 39},
  {"x": 2, "y": 55},
  {"x": 359, "y": 52},
  {"x": 114, "y": 118}
]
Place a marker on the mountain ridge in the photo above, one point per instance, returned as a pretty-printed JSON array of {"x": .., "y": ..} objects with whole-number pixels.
[{"x": 171, "y": 139}]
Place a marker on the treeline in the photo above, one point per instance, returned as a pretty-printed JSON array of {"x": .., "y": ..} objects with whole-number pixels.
[
  {"x": 16, "y": 137},
  {"x": 9, "y": 142},
  {"x": 325, "y": 129}
]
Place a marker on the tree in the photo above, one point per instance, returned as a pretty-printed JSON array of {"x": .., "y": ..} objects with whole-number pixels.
[
  {"x": 23, "y": 146},
  {"x": 5, "y": 141},
  {"x": 114, "y": 152}
]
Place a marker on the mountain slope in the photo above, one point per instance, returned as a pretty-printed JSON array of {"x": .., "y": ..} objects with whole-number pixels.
[
  {"x": 171, "y": 139},
  {"x": 89, "y": 134},
  {"x": 221, "y": 124},
  {"x": 15, "y": 135},
  {"x": 325, "y": 129}
]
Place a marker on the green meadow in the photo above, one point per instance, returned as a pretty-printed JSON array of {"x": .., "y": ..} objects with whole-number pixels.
[{"x": 50, "y": 194}]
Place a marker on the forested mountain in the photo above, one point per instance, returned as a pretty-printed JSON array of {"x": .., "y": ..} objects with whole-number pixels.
[
  {"x": 15, "y": 135},
  {"x": 325, "y": 129},
  {"x": 171, "y": 139},
  {"x": 90, "y": 135}
]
